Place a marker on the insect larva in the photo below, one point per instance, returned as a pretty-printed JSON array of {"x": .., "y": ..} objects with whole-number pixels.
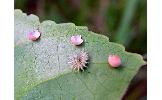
[{"x": 79, "y": 61}]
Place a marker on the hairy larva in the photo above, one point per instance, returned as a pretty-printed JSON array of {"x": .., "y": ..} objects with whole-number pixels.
[
  {"x": 76, "y": 40},
  {"x": 34, "y": 35},
  {"x": 114, "y": 60},
  {"x": 79, "y": 61}
]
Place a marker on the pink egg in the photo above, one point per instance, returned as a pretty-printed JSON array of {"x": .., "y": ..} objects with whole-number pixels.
[
  {"x": 76, "y": 40},
  {"x": 114, "y": 60},
  {"x": 34, "y": 35}
]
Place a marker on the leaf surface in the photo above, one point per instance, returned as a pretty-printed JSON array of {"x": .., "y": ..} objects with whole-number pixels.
[{"x": 42, "y": 71}]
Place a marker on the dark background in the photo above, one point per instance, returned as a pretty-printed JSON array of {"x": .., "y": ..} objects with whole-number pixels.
[{"x": 123, "y": 21}]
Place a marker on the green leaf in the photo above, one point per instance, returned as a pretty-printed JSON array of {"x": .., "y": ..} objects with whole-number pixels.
[{"x": 42, "y": 71}]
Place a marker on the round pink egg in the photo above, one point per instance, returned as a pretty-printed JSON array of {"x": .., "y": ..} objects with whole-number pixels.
[{"x": 114, "y": 60}]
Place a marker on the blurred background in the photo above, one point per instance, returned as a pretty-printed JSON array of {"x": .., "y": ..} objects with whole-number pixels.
[{"x": 123, "y": 21}]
